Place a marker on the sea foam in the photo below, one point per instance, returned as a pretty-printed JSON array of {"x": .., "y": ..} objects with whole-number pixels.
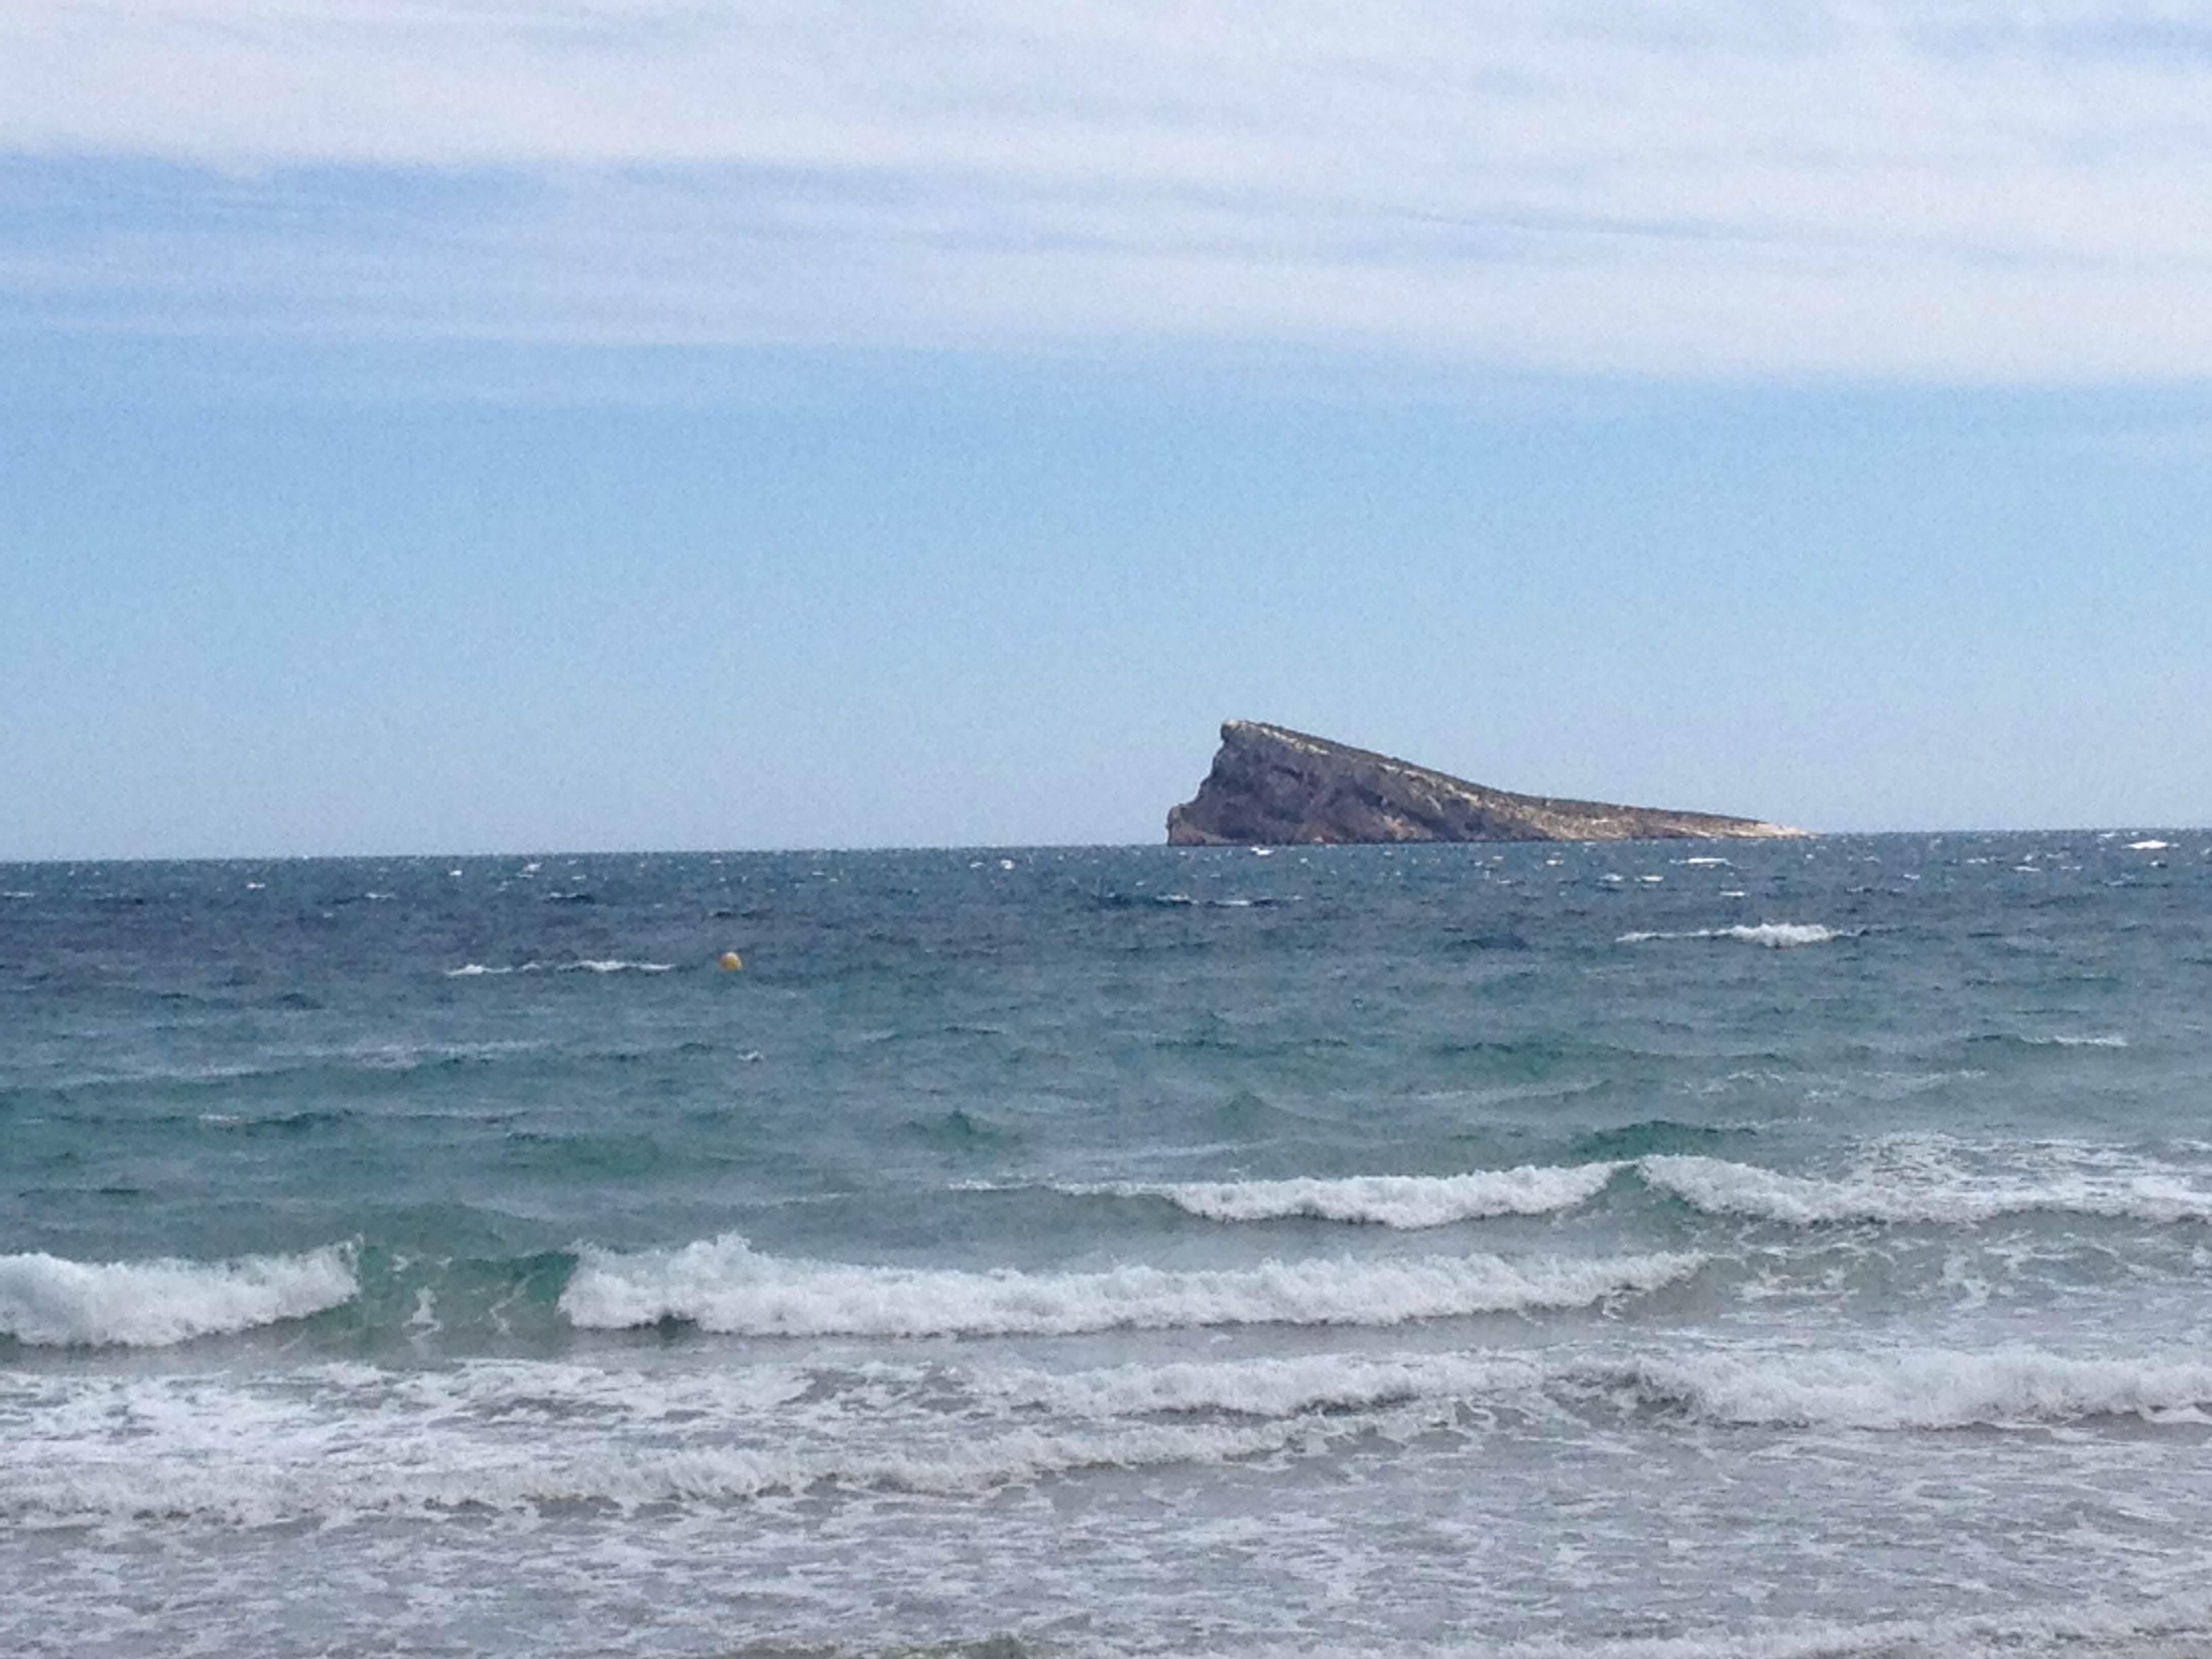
[
  {"x": 1938, "y": 1192},
  {"x": 1918, "y": 1389},
  {"x": 1387, "y": 1200},
  {"x": 722, "y": 1284},
  {"x": 428, "y": 1473},
  {"x": 1903, "y": 1389},
  {"x": 330, "y": 1444},
  {"x": 1719, "y": 1186},
  {"x": 1774, "y": 935},
  {"x": 1330, "y": 1383},
  {"x": 48, "y": 1301}
]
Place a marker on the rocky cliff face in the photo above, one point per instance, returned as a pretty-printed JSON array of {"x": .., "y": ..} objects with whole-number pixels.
[{"x": 1272, "y": 787}]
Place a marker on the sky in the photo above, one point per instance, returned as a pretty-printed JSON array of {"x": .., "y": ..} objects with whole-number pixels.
[{"x": 489, "y": 425}]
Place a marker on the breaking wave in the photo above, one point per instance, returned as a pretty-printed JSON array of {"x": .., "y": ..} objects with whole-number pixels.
[
  {"x": 270, "y": 1489},
  {"x": 293, "y": 1468},
  {"x": 721, "y": 1284},
  {"x": 1921, "y": 1388},
  {"x": 1774, "y": 935},
  {"x": 1387, "y": 1201},
  {"x": 473, "y": 1440},
  {"x": 1925, "y": 1191},
  {"x": 596, "y": 965},
  {"x": 47, "y": 1300},
  {"x": 1910, "y": 1388},
  {"x": 1721, "y": 1188}
]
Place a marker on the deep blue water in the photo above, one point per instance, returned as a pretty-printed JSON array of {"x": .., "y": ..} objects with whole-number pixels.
[{"x": 1656, "y": 1248}]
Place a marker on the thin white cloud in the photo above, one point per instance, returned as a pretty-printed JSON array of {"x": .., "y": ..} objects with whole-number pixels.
[{"x": 1872, "y": 189}]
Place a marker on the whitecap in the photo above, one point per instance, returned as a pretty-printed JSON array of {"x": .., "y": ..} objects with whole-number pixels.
[
  {"x": 1265, "y": 1388},
  {"x": 1402, "y": 1201},
  {"x": 251, "y": 1455},
  {"x": 1773, "y": 935},
  {"x": 2014, "y": 1386},
  {"x": 48, "y": 1301},
  {"x": 1920, "y": 1389},
  {"x": 1719, "y": 1186},
  {"x": 722, "y": 1284}
]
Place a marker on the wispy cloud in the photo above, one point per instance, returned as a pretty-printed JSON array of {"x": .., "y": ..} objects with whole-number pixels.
[{"x": 1879, "y": 189}]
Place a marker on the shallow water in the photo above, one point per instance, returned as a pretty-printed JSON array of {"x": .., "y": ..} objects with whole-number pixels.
[{"x": 1417, "y": 1250}]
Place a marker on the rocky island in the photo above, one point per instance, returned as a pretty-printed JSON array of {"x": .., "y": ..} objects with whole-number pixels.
[{"x": 1274, "y": 786}]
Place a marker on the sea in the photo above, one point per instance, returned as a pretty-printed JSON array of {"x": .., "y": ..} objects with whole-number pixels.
[{"x": 1660, "y": 1250}]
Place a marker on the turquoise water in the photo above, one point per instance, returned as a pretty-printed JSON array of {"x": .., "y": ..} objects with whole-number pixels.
[{"x": 1657, "y": 1249}]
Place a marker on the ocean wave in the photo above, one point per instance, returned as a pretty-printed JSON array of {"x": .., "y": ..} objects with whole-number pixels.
[
  {"x": 1182, "y": 901},
  {"x": 597, "y": 965},
  {"x": 48, "y": 1301},
  {"x": 2170, "y": 1627},
  {"x": 339, "y": 1442},
  {"x": 1329, "y": 1383},
  {"x": 1388, "y": 1201},
  {"x": 721, "y": 1284},
  {"x": 263, "y": 1492},
  {"x": 330, "y": 1443},
  {"x": 1774, "y": 935},
  {"x": 1918, "y": 1388},
  {"x": 2013, "y": 1386},
  {"x": 1906, "y": 1184},
  {"x": 1719, "y": 1186}
]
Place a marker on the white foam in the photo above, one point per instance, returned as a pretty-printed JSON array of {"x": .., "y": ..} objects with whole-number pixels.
[
  {"x": 1782, "y": 935},
  {"x": 597, "y": 965},
  {"x": 721, "y": 1284},
  {"x": 1270, "y": 1388},
  {"x": 2013, "y": 1386},
  {"x": 339, "y": 1442},
  {"x": 1721, "y": 1188},
  {"x": 1924, "y": 1388},
  {"x": 49, "y": 1301},
  {"x": 1774, "y": 935},
  {"x": 250, "y": 1494},
  {"x": 334, "y": 1441},
  {"x": 2149, "y": 846},
  {"x": 1407, "y": 1201},
  {"x": 2171, "y": 1628}
]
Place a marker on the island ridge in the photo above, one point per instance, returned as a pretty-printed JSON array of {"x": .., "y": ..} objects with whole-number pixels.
[{"x": 1270, "y": 786}]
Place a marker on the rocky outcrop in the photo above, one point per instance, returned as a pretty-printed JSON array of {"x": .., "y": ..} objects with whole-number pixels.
[{"x": 1273, "y": 787}]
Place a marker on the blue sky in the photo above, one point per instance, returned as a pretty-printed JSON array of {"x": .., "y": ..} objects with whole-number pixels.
[{"x": 621, "y": 423}]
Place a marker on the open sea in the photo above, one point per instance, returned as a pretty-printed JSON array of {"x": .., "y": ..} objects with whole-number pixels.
[{"x": 1765, "y": 1250}]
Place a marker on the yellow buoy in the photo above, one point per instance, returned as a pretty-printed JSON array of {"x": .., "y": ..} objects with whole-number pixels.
[{"x": 732, "y": 961}]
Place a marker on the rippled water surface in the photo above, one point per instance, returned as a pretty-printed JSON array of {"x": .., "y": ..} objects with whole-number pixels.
[{"x": 1661, "y": 1250}]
